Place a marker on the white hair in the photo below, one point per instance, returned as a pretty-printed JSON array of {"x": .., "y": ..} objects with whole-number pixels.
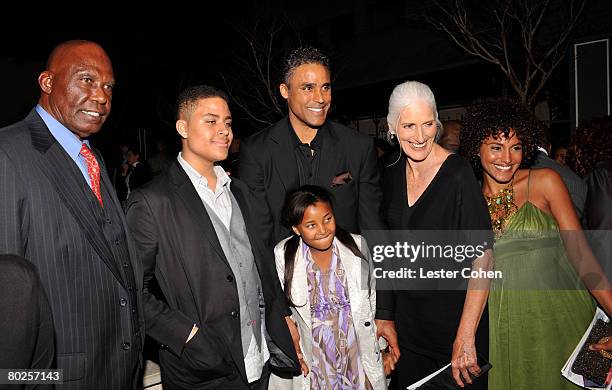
[{"x": 406, "y": 94}]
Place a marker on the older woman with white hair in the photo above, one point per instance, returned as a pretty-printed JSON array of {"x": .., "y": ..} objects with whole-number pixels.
[{"x": 429, "y": 188}]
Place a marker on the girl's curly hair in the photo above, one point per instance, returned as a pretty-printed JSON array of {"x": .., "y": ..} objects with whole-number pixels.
[
  {"x": 590, "y": 144},
  {"x": 497, "y": 117}
]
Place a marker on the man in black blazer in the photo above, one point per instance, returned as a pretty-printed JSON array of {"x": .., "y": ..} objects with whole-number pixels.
[
  {"x": 575, "y": 186},
  {"x": 306, "y": 148},
  {"x": 211, "y": 301},
  {"x": 60, "y": 212}
]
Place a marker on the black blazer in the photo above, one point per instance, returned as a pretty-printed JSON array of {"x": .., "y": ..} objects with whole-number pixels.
[
  {"x": 269, "y": 167},
  {"x": 139, "y": 175},
  {"x": 575, "y": 186},
  {"x": 597, "y": 213},
  {"x": 182, "y": 255},
  {"x": 51, "y": 217}
]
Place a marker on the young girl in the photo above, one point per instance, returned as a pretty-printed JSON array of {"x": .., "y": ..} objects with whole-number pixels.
[{"x": 328, "y": 284}]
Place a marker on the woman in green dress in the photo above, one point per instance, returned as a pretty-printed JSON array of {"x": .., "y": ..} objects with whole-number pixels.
[{"x": 541, "y": 306}]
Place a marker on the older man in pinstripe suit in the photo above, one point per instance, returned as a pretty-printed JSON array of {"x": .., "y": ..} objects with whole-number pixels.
[{"x": 59, "y": 211}]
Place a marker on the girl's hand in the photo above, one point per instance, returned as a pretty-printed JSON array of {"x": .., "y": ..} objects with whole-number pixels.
[
  {"x": 464, "y": 361},
  {"x": 388, "y": 362},
  {"x": 295, "y": 337}
]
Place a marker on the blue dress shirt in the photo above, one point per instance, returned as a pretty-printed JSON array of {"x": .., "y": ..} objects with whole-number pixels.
[{"x": 69, "y": 141}]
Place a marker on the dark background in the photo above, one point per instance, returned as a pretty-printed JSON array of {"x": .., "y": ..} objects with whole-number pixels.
[{"x": 156, "y": 52}]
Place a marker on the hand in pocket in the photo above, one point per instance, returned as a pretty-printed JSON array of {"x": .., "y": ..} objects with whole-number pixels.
[{"x": 205, "y": 354}]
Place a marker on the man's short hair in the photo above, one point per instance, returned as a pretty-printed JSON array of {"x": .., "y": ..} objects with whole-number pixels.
[
  {"x": 134, "y": 149},
  {"x": 301, "y": 56},
  {"x": 188, "y": 99}
]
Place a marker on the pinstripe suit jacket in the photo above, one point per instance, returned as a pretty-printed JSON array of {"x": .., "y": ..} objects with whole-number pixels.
[{"x": 84, "y": 256}]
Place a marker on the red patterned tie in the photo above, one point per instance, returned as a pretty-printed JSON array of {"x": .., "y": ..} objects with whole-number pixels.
[{"x": 93, "y": 170}]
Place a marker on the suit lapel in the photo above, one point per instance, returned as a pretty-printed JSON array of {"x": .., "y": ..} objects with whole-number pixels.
[
  {"x": 72, "y": 189},
  {"x": 196, "y": 210},
  {"x": 353, "y": 270},
  {"x": 283, "y": 155},
  {"x": 105, "y": 182},
  {"x": 330, "y": 159}
]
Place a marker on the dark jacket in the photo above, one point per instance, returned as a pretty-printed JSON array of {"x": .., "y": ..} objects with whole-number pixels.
[
  {"x": 182, "y": 255},
  {"x": 575, "y": 186},
  {"x": 268, "y": 166},
  {"x": 84, "y": 256}
]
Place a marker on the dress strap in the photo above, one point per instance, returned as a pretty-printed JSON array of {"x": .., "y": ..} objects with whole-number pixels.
[{"x": 528, "y": 180}]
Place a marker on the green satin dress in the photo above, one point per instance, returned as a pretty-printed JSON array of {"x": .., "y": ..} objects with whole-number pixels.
[{"x": 539, "y": 310}]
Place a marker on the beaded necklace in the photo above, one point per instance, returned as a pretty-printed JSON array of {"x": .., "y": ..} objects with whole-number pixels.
[{"x": 501, "y": 208}]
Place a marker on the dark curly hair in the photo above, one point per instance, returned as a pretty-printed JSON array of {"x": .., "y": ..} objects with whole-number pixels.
[
  {"x": 301, "y": 56},
  {"x": 497, "y": 117},
  {"x": 590, "y": 145}
]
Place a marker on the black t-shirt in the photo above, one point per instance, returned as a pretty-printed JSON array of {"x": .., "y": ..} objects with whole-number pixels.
[{"x": 427, "y": 321}]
